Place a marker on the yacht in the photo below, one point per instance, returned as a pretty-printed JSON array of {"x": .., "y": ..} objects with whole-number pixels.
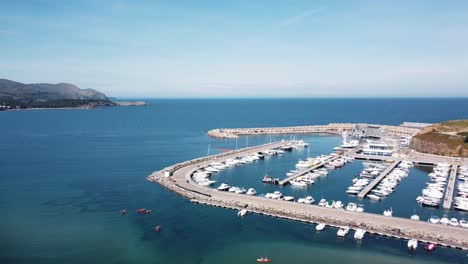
[
  {"x": 359, "y": 234},
  {"x": 320, "y": 227},
  {"x": 352, "y": 191},
  {"x": 223, "y": 187},
  {"x": 343, "y": 231},
  {"x": 412, "y": 244},
  {"x": 351, "y": 207},
  {"x": 233, "y": 189},
  {"x": 251, "y": 191},
  {"x": 388, "y": 212}
]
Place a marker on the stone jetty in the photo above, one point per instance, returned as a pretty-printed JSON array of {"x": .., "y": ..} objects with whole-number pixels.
[{"x": 178, "y": 179}]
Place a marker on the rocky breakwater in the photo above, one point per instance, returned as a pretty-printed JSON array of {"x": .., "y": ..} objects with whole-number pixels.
[{"x": 447, "y": 139}]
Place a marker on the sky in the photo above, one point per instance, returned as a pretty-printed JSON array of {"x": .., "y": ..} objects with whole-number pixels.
[{"x": 253, "y": 48}]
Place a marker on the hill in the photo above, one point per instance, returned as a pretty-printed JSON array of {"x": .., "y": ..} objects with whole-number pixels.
[
  {"x": 41, "y": 95},
  {"x": 448, "y": 139}
]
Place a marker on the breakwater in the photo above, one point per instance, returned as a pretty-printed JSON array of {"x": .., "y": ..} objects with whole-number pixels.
[
  {"x": 332, "y": 128},
  {"x": 178, "y": 179}
]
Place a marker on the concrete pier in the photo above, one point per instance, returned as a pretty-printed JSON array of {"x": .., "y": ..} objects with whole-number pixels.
[
  {"x": 450, "y": 188},
  {"x": 303, "y": 172},
  {"x": 379, "y": 178},
  {"x": 332, "y": 128},
  {"x": 178, "y": 179}
]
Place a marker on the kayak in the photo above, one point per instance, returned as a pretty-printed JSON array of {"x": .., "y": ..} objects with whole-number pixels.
[{"x": 430, "y": 246}]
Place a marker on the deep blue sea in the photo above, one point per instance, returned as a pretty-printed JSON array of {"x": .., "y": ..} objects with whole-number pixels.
[{"x": 66, "y": 174}]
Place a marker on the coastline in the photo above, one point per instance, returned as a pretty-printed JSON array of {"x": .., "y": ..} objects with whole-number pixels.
[{"x": 126, "y": 104}]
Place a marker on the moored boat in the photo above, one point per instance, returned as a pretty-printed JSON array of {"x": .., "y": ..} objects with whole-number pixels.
[{"x": 412, "y": 244}]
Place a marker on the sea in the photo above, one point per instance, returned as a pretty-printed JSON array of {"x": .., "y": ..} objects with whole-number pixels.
[{"x": 66, "y": 174}]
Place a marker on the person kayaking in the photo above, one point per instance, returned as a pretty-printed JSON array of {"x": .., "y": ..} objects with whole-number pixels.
[
  {"x": 157, "y": 228},
  {"x": 123, "y": 212}
]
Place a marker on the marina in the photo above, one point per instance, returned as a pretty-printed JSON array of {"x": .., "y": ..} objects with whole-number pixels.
[{"x": 281, "y": 205}]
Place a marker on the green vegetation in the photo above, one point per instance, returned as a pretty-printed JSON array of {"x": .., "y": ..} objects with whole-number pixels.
[
  {"x": 448, "y": 138},
  {"x": 62, "y": 103}
]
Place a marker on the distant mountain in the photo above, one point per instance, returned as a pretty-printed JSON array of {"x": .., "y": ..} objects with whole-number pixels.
[
  {"x": 45, "y": 91},
  {"x": 44, "y": 95}
]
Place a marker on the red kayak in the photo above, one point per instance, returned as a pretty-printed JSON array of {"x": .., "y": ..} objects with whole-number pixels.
[
  {"x": 143, "y": 211},
  {"x": 430, "y": 247},
  {"x": 264, "y": 260}
]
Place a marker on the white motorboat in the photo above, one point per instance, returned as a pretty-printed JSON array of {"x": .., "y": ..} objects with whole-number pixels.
[
  {"x": 322, "y": 202},
  {"x": 415, "y": 217},
  {"x": 206, "y": 183},
  {"x": 343, "y": 231},
  {"x": 276, "y": 195},
  {"x": 434, "y": 220},
  {"x": 444, "y": 220},
  {"x": 240, "y": 191},
  {"x": 233, "y": 189},
  {"x": 288, "y": 198},
  {"x": 352, "y": 191},
  {"x": 359, "y": 234},
  {"x": 412, "y": 244},
  {"x": 351, "y": 207},
  {"x": 224, "y": 187},
  {"x": 330, "y": 204},
  {"x": 388, "y": 212},
  {"x": 360, "y": 208},
  {"x": 463, "y": 223},
  {"x": 320, "y": 227},
  {"x": 373, "y": 197},
  {"x": 242, "y": 212},
  {"x": 338, "y": 205},
  {"x": 309, "y": 200},
  {"x": 251, "y": 191},
  {"x": 454, "y": 222},
  {"x": 298, "y": 183}
]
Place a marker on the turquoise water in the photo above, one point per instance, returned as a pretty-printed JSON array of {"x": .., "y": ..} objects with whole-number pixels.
[{"x": 65, "y": 174}]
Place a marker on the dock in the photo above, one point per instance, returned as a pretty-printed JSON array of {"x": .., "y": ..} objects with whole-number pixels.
[
  {"x": 332, "y": 128},
  {"x": 303, "y": 172},
  {"x": 379, "y": 178},
  {"x": 178, "y": 179},
  {"x": 450, "y": 187}
]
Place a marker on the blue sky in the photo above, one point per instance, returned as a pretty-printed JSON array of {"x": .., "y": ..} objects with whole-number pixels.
[{"x": 239, "y": 48}]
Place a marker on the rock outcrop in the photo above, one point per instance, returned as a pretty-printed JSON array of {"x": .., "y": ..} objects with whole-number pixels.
[{"x": 446, "y": 139}]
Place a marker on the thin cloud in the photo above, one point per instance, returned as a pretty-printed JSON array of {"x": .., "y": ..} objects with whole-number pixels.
[{"x": 298, "y": 17}]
